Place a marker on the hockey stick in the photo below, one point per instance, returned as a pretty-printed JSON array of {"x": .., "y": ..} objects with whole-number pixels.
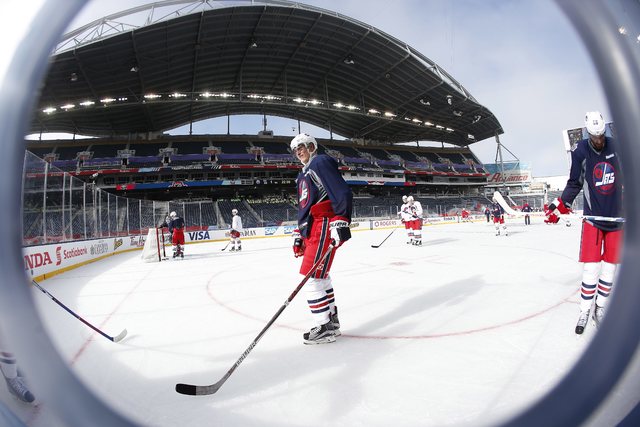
[
  {"x": 503, "y": 203},
  {"x": 117, "y": 338},
  {"x": 199, "y": 390},
  {"x": 225, "y": 246},
  {"x": 385, "y": 239},
  {"x": 601, "y": 218}
]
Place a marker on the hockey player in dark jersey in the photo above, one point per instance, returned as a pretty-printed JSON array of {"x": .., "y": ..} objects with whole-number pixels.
[
  {"x": 498, "y": 218},
  {"x": 176, "y": 228},
  {"x": 595, "y": 170},
  {"x": 526, "y": 208},
  {"x": 324, "y": 214}
]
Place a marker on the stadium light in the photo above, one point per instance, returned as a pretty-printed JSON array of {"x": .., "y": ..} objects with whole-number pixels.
[{"x": 49, "y": 110}]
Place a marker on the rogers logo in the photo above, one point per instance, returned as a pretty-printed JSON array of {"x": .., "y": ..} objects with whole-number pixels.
[{"x": 58, "y": 255}]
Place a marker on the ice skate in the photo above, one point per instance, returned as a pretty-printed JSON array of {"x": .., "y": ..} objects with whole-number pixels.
[
  {"x": 19, "y": 390},
  {"x": 233, "y": 249},
  {"x": 239, "y": 248},
  {"x": 598, "y": 314},
  {"x": 333, "y": 318},
  {"x": 582, "y": 321},
  {"x": 320, "y": 334}
]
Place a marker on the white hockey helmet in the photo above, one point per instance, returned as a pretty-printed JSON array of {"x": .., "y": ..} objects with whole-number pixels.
[
  {"x": 172, "y": 214},
  {"x": 234, "y": 211},
  {"x": 302, "y": 139},
  {"x": 404, "y": 199},
  {"x": 410, "y": 199},
  {"x": 594, "y": 122}
]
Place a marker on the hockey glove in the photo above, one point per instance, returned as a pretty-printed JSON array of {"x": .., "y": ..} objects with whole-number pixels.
[
  {"x": 559, "y": 205},
  {"x": 340, "y": 231},
  {"x": 298, "y": 244}
]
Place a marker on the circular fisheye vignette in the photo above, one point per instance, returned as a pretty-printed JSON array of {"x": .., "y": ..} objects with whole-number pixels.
[
  {"x": 48, "y": 373},
  {"x": 584, "y": 389},
  {"x": 575, "y": 398}
]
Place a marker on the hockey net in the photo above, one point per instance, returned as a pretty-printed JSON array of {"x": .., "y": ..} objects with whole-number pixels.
[{"x": 153, "y": 250}]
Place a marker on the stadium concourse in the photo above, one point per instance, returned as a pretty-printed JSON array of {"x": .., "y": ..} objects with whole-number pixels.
[{"x": 466, "y": 329}]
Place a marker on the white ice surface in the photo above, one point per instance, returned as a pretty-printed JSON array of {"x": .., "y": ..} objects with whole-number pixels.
[{"x": 466, "y": 330}]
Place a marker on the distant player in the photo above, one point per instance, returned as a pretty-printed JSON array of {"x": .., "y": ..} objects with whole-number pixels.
[
  {"x": 465, "y": 215},
  {"x": 526, "y": 208},
  {"x": 487, "y": 213},
  {"x": 236, "y": 230},
  {"x": 595, "y": 169},
  {"x": 325, "y": 203},
  {"x": 415, "y": 209},
  {"x": 498, "y": 219},
  {"x": 406, "y": 217},
  {"x": 176, "y": 228}
]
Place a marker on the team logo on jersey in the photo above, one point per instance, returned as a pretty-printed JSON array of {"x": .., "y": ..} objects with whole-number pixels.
[
  {"x": 303, "y": 193},
  {"x": 604, "y": 177}
]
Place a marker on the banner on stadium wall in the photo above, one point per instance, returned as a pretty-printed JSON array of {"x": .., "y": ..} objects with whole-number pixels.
[
  {"x": 46, "y": 259},
  {"x": 514, "y": 173}
]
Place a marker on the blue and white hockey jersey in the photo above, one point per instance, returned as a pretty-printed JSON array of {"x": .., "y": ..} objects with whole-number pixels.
[
  {"x": 318, "y": 181},
  {"x": 598, "y": 175}
]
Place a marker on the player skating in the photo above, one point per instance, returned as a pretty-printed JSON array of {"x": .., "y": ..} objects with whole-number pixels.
[
  {"x": 595, "y": 169},
  {"x": 415, "y": 209},
  {"x": 465, "y": 215},
  {"x": 324, "y": 213},
  {"x": 498, "y": 219},
  {"x": 526, "y": 208},
  {"x": 176, "y": 228},
  {"x": 406, "y": 217},
  {"x": 236, "y": 230}
]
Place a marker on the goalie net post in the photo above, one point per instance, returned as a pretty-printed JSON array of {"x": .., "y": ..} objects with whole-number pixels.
[{"x": 153, "y": 250}]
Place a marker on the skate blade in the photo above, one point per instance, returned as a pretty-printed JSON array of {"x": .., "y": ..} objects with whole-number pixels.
[{"x": 326, "y": 340}]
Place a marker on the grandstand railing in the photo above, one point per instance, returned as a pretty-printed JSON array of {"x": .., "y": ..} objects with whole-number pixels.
[{"x": 59, "y": 207}]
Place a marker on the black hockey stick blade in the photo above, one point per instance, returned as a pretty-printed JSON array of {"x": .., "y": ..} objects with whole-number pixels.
[
  {"x": 385, "y": 239},
  {"x": 197, "y": 390}
]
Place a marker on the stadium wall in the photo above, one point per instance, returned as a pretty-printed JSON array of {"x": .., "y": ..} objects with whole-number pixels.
[{"x": 45, "y": 261}]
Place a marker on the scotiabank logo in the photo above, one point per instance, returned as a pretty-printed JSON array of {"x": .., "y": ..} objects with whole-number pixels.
[{"x": 71, "y": 253}]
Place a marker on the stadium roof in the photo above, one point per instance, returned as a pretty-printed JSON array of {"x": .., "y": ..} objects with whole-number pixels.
[{"x": 193, "y": 60}]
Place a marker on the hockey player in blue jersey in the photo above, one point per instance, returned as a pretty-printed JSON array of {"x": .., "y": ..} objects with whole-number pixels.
[
  {"x": 526, "y": 208},
  {"x": 498, "y": 218},
  {"x": 324, "y": 214},
  {"x": 595, "y": 170}
]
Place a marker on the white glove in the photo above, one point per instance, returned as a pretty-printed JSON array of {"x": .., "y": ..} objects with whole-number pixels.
[{"x": 340, "y": 231}]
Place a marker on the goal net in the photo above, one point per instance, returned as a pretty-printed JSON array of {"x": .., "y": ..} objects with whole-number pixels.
[{"x": 153, "y": 250}]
